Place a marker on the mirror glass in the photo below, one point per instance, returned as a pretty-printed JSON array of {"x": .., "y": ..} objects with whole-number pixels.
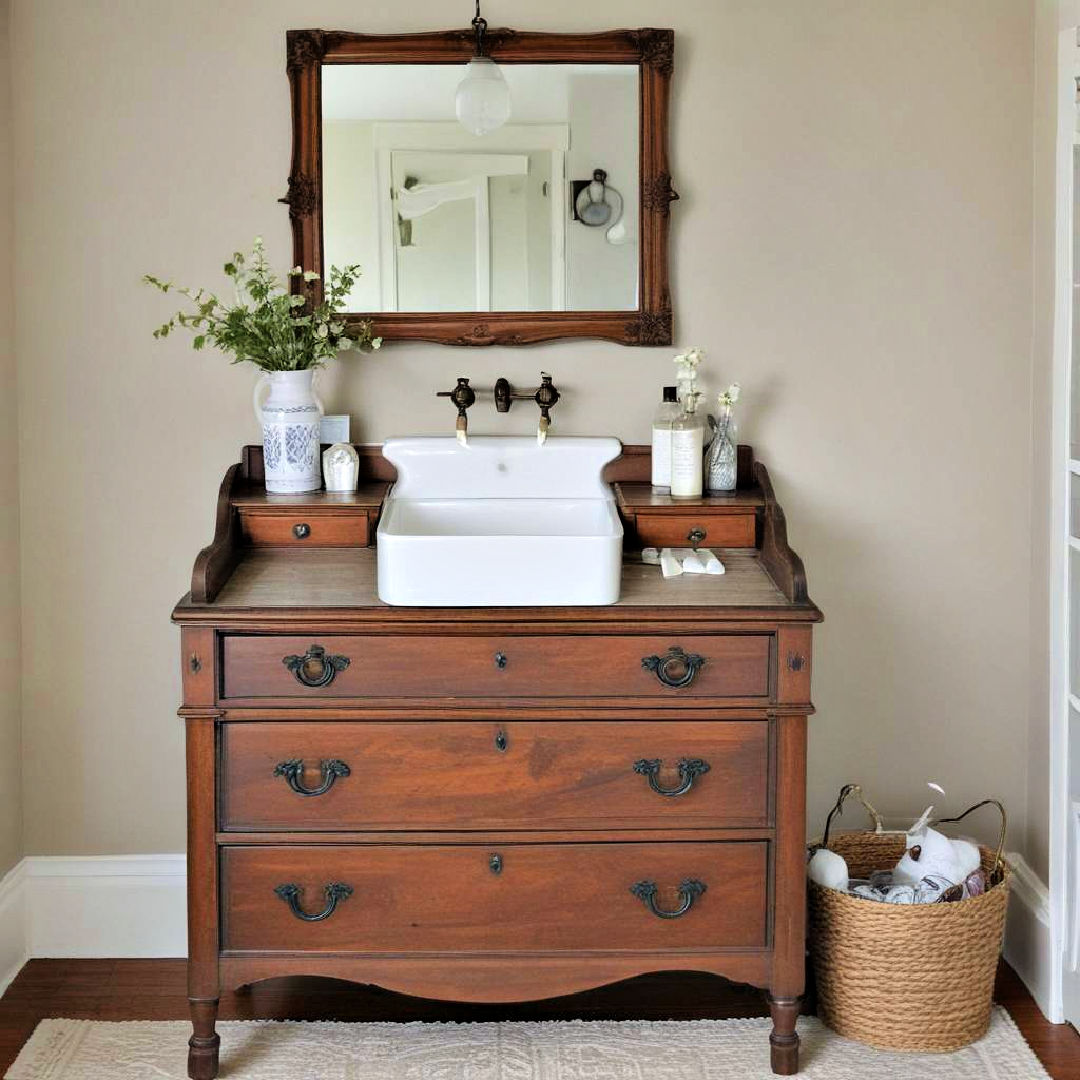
[{"x": 539, "y": 215}]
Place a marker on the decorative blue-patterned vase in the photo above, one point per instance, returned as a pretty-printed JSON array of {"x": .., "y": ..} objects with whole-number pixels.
[{"x": 289, "y": 414}]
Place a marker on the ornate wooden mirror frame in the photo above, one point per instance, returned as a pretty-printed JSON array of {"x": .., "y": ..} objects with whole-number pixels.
[{"x": 651, "y": 49}]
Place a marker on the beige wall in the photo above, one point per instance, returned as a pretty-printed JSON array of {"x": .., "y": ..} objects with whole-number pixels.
[
  {"x": 10, "y": 787},
  {"x": 853, "y": 244}
]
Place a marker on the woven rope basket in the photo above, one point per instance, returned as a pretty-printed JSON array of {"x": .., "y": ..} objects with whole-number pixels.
[{"x": 905, "y": 977}]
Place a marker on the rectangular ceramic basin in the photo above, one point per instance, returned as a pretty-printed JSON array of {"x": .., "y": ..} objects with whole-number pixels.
[{"x": 500, "y": 522}]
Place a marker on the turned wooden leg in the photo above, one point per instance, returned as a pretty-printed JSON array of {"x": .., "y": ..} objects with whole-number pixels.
[
  {"x": 784, "y": 1042},
  {"x": 204, "y": 1042}
]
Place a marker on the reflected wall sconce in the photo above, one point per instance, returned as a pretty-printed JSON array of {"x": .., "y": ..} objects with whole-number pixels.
[{"x": 598, "y": 205}]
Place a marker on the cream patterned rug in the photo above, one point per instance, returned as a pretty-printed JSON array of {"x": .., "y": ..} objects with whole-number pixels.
[{"x": 573, "y": 1050}]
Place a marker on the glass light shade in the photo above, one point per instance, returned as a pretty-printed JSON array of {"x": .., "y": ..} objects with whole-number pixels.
[{"x": 483, "y": 98}]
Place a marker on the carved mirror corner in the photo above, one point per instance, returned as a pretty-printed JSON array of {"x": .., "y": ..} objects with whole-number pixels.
[{"x": 552, "y": 225}]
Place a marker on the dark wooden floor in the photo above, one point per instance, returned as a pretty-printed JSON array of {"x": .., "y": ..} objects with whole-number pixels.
[{"x": 155, "y": 990}]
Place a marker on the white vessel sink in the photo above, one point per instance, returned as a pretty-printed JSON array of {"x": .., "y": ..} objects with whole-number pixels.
[{"x": 501, "y": 522}]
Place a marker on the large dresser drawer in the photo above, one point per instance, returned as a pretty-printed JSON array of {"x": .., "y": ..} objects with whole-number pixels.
[
  {"x": 480, "y": 775},
  {"x": 494, "y": 898},
  {"x": 337, "y": 666}
]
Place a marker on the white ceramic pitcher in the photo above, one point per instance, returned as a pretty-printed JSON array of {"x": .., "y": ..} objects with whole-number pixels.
[{"x": 289, "y": 416}]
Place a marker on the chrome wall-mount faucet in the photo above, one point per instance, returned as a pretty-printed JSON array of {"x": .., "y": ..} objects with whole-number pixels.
[{"x": 546, "y": 396}]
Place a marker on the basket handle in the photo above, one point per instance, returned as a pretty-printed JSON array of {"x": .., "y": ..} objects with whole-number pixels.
[
  {"x": 998, "y": 864},
  {"x": 845, "y": 793}
]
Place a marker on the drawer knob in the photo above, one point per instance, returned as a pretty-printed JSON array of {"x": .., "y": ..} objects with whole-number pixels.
[
  {"x": 315, "y": 668},
  {"x": 335, "y": 893},
  {"x": 675, "y": 669},
  {"x": 696, "y": 536},
  {"x": 689, "y": 770},
  {"x": 500, "y": 660},
  {"x": 689, "y": 891},
  {"x": 301, "y": 530},
  {"x": 293, "y": 771}
]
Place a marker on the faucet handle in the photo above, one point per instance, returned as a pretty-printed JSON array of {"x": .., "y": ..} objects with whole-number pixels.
[
  {"x": 546, "y": 395},
  {"x": 463, "y": 395}
]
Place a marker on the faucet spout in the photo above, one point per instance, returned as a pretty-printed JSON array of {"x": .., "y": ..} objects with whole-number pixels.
[
  {"x": 462, "y": 397},
  {"x": 542, "y": 430}
]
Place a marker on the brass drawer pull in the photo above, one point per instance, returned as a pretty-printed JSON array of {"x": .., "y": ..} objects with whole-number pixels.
[
  {"x": 696, "y": 536},
  {"x": 315, "y": 669},
  {"x": 301, "y": 530},
  {"x": 335, "y": 893},
  {"x": 689, "y": 891},
  {"x": 676, "y": 669},
  {"x": 689, "y": 770},
  {"x": 293, "y": 771}
]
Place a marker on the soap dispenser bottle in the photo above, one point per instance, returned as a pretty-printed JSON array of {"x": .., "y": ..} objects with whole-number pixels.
[
  {"x": 666, "y": 414},
  {"x": 687, "y": 449}
]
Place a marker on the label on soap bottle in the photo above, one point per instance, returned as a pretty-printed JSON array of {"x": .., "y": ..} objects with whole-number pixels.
[
  {"x": 687, "y": 450},
  {"x": 661, "y": 457}
]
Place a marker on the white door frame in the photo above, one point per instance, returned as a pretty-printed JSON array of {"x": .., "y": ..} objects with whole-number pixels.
[
  {"x": 1064, "y": 925},
  {"x": 450, "y": 135}
]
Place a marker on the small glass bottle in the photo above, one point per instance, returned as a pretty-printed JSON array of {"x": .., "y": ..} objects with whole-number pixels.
[
  {"x": 666, "y": 414},
  {"x": 722, "y": 459},
  {"x": 687, "y": 450}
]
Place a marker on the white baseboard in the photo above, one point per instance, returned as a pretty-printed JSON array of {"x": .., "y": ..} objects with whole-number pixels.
[
  {"x": 1027, "y": 932},
  {"x": 111, "y": 905},
  {"x": 136, "y": 906},
  {"x": 13, "y": 940},
  {"x": 92, "y": 906}
]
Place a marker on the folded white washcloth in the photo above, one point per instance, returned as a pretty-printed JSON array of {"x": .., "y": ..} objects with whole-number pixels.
[
  {"x": 714, "y": 566},
  {"x": 669, "y": 564},
  {"x": 693, "y": 564},
  {"x": 650, "y": 556}
]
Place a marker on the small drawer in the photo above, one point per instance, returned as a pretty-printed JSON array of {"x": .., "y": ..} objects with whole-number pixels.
[
  {"x": 480, "y": 775},
  {"x": 494, "y": 897},
  {"x": 699, "y": 530},
  {"x": 303, "y": 528},
  {"x": 434, "y": 666}
]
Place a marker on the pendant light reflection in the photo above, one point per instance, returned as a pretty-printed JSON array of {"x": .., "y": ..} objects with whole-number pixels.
[{"x": 483, "y": 98}]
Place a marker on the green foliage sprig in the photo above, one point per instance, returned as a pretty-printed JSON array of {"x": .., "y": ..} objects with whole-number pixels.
[{"x": 267, "y": 325}]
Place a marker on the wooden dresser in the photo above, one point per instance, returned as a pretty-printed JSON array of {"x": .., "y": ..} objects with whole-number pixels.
[{"x": 493, "y": 804}]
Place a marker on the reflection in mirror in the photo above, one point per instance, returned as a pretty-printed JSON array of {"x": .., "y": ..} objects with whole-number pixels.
[{"x": 539, "y": 215}]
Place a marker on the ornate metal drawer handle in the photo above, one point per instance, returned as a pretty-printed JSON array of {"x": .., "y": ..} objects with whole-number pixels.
[
  {"x": 325, "y": 667},
  {"x": 689, "y": 891},
  {"x": 335, "y": 893},
  {"x": 676, "y": 669},
  {"x": 293, "y": 771},
  {"x": 689, "y": 770}
]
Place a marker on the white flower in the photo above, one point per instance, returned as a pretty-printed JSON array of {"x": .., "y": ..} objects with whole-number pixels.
[
  {"x": 376, "y": 342},
  {"x": 310, "y": 275},
  {"x": 322, "y": 330},
  {"x": 336, "y": 329},
  {"x": 729, "y": 397},
  {"x": 258, "y": 242},
  {"x": 296, "y": 271},
  {"x": 691, "y": 358}
]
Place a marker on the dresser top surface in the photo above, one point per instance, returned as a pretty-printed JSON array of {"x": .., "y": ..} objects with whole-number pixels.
[{"x": 346, "y": 579}]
